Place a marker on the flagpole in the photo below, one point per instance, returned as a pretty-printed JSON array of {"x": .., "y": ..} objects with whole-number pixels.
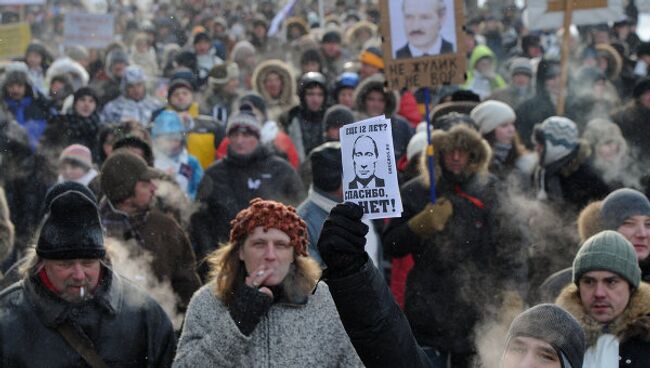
[{"x": 430, "y": 150}]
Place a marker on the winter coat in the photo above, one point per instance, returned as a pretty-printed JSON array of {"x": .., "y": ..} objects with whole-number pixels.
[
  {"x": 126, "y": 326},
  {"x": 64, "y": 130},
  {"x": 107, "y": 89},
  {"x": 305, "y": 128},
  {"x": 476, "y": 82},
  {"x": 183, "y": 168},
  {"x": 290, "y": 335},
  {"x": 123, "y": 108},
  {"x": 229, "y": 185},
  {"x": 287, "y": 99},
  {"x": 6, "y": 229},
  {"x": 163, "y": 238},
  {"x": 378, "y": 329},
  {"x": 631, "y": 328},
  {"x": 632, "y": 119},
  {"x": 460, "y": 267},
  {"x": 530, "y": 112},
  {"x": 272, "y": 136}
]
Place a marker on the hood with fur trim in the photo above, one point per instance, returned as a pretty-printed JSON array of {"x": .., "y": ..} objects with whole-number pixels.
[
  {"x": 288, "y": 95},
  {"x": 589, "y": 221},
  {"x": 66, "y": 66},
  {"x": 373, "y": 83},
  {"x": 633, "y": 323},
  {"x": 459, "y": 137}
]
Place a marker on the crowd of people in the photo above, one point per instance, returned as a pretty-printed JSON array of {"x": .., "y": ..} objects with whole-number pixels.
[{"x": 204, "y": 143}]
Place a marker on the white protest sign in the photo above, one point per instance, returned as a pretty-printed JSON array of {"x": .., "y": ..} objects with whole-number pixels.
[
  {"x": 369, "y": 168},
  {"x": 88, "y": 29},
  {"x": 546, "y": 14}
]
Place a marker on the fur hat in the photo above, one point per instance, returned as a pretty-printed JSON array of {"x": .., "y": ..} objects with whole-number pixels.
[
  {"x": 71, "y": 228},
  {"x": 622, "y": 204},
  {"x": 270, "y": 214},
  {"x": 608, "y": 251},
  {"x": 490, "y": 114}
]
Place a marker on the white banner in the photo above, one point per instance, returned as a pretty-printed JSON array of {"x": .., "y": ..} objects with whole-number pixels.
[
  {"x": 88, "y": 29},
  {"x": 537, "y": 15}
]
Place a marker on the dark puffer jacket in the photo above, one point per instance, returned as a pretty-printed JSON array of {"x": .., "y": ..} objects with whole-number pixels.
[
  {"x": 227, "y": 188},
  {"x": 64, "y": 130},
  {"x": 126, "y": 326},
  {"x": 458, "y": 268}
]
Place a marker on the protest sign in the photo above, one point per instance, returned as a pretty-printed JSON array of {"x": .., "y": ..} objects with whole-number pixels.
[
  {"x": 22, "y": 2},
  {"x": 14, "y": 39},
  {"x": 88, "y": 29},
  {"x": 422, "y": 42},
  {"x": 369, "y": 168},
  {"x": 546, "y": 14}
]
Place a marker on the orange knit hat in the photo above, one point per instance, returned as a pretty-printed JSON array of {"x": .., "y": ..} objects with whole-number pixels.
[{"x": 270, "y": 214}]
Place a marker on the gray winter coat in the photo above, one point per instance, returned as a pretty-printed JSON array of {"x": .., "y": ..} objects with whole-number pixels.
[{"x": 290, "y": 335}]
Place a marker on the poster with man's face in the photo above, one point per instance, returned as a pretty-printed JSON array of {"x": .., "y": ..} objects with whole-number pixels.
[
  {"x": 369, "y": 168},
  {"x": 422, "y": 28}
]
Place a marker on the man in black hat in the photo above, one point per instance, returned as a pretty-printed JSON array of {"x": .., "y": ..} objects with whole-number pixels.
[
  {"x": 70, "y": 309},
  {"x": 632, "y": 118}
]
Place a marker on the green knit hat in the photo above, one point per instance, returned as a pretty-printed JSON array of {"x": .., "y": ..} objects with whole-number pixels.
[{"x": 608, "y": 251}]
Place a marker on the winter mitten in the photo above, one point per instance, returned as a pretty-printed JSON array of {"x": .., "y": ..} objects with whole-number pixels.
[
  {"x": 342, "y": 240},
  {"x": 432, "y": 218},
  {"x": 248, "y": 307}
]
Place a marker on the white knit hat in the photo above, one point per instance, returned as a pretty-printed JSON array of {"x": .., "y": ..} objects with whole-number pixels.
[{"x": 490, "y": 114}]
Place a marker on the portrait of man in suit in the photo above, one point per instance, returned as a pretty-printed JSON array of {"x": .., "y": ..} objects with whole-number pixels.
[
  {"x": 365, "y": 155},
  {"x": 423, "y": 21}
]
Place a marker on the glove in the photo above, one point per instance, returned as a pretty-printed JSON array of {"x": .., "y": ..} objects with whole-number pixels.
[
  {"x": 433, "y": 218},
  {"x": 342, "y": 240},
  {"x": 248, "y": 307}
]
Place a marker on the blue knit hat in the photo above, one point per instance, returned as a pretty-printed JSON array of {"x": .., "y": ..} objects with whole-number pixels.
[
  {"x": 559, "y": 136},
  {"x": 167, "y": 122},
  {"x": 622, "y": 204}
]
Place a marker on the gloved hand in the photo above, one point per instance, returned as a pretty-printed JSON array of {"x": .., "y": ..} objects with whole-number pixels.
[
  {"x": 248, "y": 307},
  {"x": 432, "y": 218},
  {"x": 342, "y": 240}
]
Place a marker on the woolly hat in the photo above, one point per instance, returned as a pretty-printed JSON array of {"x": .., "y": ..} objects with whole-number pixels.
[
  {"x": 167, "y": 122},
  {"x": 133, "y": 74},
  {"x": 372, "y": 56},
  {"x": 85, "y": 91},
  {"x": 255, "y": 100},
  {"x": 178, "y": 83},
  {"x": 116, "y": 56},
  {"x": 221, "y": 74},
  {"x": 71, "y": 228},
  {"x": 622, "y": 204},
  {"x": 641, "y": 87},
  {"x": 121, "y": 172},
  {"x": 16, "y": 73},
  {"x": 553, "y": 325},
  {"x": 244, "y": 119},
  {"x": 331, "y": 37},
  {"x": 78, "y": 154},
  {"x": 270, "y": 214},
  {"x": 309, "y": 56},
  {"x": 416, "y": 145},
  {"x": 558, "y": 135},
  {"x": 337, "y": 116},
  {"x": 608, "y": 251},
  {"x": 521, "y": 65},
  {"x": 326, "y": 166},
  {"x": 490, "y": 114}
]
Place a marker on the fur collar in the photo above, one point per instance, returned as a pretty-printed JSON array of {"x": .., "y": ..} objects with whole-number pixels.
[{"x": 634, "y": 322}]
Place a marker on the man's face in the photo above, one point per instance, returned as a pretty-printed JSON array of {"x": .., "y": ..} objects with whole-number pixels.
[
  {"x": 69, "y": 276},
  {"x": 520, "y": 80},
  {"x": 260, "y": 31},
  {"x": 346, "y": 97},
  {"x": 364, "y": 158},
  {"x": 202, "y": 47},
  {"x": 367, "y": 70},
  {"x": 375, "y": 103},
  {"x": 314, "y": 98},
  {"x": 143, "y": 194},
  {"x": 333, "y": 133},
  {"x": 310, "y": 66},
  {"x": 268, "y": 250},
  {"x": 136, "y": 91},
  {"x": 118, "y": 69},
  {"x": 456, "y": 161},
  {"x": 645, "y": 99},
  {"x": 422, "y": 22},
  {"x": 181, "y": 99},
  {"x": 16, "y": 91},
  {"x": 604, "y": 295},
  {"x": 553, "y": 85},
  {"x": 528, "y": 352},
  {"x": 636, "y": 229},
  {"x": 85, "y": 106},
  {"x": 331, "y": 49},
  {"x": 243, "y": 142},
  {"x": 273, "y": 85},
  {"x": 34, "y": 59}
]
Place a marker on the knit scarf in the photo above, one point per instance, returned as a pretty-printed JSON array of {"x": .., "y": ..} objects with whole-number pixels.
[{"x": 501, "y": 151}]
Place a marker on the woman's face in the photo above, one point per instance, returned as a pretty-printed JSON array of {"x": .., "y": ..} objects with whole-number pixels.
[
  {"x": 273, "y": 85},
  {"x": 608, "y": 150},
  {"x": 85, "y": 106},
  {"x": 505, "y": 133}
]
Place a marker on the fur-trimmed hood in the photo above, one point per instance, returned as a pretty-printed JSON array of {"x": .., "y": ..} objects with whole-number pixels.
[
  {"x": 375, "y": 82},
  {"x": 589, "y": 221},
  {"x": 66, "y": 66},
  {"x": 288, "y": 95},
  {"x": 462, "y": 137},
  {"x": 633, "y": 323}
]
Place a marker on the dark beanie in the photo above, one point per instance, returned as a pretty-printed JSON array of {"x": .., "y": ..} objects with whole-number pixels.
[
  {"x": 553, "y": 325},
  {"x": 641, "y": 87},
  {"x": 71, "y": 228},
  {"x": 121, "y": 172},
  {"x": 622, "y": 204},
  {"x": 337, "y": 116},
  {"x": 326, "y": 166},
  {"x": 331, "y": 37},
  {"x": 199, "y": 37},
  {"x": 254, "y": 99},
  {"x": 178, "y": 83},
  {"x": 643, "y": 49},
  {"x": 85, "y": 91}
]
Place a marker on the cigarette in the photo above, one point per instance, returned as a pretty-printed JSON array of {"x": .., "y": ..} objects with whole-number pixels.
[{"x": 81, "y": 292}]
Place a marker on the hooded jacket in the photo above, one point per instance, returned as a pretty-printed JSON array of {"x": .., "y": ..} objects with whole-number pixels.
[
  {"x": 631, "y": 328},
  {"x": 126, "y": 326},
  {"x": 287, "y": 99},
  {"x": 483, "y": 85},
  {"x": 459, "y": 267}
]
